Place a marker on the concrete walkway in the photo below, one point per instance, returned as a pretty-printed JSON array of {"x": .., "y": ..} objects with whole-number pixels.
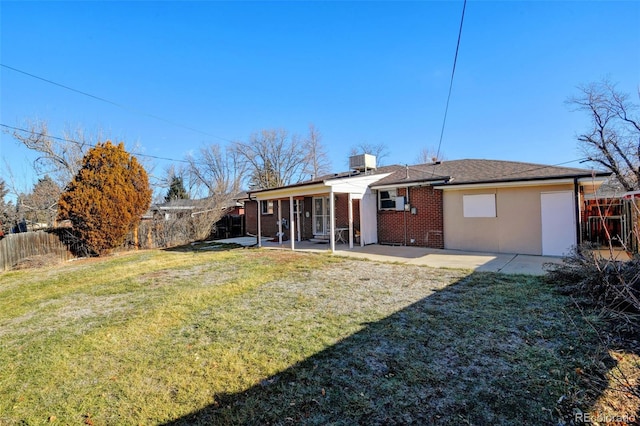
[{"x": 481, "y": 262}]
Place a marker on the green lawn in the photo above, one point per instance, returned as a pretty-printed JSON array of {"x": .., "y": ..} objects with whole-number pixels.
[{"x": 260, "y": 336}]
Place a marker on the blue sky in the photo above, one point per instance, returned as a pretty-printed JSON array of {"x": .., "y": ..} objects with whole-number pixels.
[{"x": 361, "y": 72}]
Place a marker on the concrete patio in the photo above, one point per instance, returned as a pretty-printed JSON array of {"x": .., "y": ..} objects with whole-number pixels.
[{"x": 435, "y": 258}]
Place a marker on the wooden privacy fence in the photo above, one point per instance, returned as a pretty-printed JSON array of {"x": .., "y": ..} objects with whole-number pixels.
[{"x": 16, "y": 247}]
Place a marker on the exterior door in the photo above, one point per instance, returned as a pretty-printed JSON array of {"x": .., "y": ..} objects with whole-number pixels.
[
  {"x": 558, "y": 222},
  {"x": 321, "y": 216}
]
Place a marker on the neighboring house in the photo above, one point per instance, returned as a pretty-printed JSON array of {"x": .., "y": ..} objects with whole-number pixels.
[
  {"x": 475, "y": 205},
  {"x": 612, "y": 215},
  {"x": 173, "y": 209},
  {"x": 231, "y": 224}
]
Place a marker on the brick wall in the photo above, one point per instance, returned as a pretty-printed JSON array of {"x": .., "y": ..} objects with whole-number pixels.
[
  {"x": 425, "y": 227},
  {"x": 251, "y": 217},
  {"x": 269, "y": 222},
  {"x": 342, "y": 212},
  {"x": 307, "y": 222}
]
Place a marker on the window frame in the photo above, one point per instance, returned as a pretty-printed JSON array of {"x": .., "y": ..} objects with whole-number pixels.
[
  {"x": 266, "y": 207},
  {"x": 479, "y": 205},
  {"x": 392, "y": 194}
]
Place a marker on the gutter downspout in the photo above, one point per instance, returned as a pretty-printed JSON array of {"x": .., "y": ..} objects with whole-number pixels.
[
  {"x": 576, "y": 193},
  {"x": 259, "y": 225}
]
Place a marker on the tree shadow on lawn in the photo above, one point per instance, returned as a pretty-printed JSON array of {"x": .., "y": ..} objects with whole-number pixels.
[{"x": 490, "y": 349}]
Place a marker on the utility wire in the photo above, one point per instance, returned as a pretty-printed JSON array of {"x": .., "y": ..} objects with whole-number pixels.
[
  {"x": 90, "y": 144},
  {"x": 453, "y": 71},
  {"x": 417, "y": 168},
  {"x": 173, "y": 123}
]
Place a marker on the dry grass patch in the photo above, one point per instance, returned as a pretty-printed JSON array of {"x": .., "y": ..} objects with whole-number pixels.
[{"x": 259, "y": 336}]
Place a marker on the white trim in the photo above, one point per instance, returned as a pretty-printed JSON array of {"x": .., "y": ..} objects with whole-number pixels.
[
  {"x": 505, "y": 184},
  {"x": 325, "y": 207},
  {"x": 598, "y": 179},
  {"x": 280, "y": 222},
  {"x": 298, "y": 207},
  {"x": 292, "y": 222},
  {"x": 408, "y": 185},
  {"x": 393, "y": 194},
  {"x": 297, "y": 191},
  {"x": 332, "y": 220}
]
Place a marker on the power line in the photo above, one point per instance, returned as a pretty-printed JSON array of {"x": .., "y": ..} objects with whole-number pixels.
[
  {"x": 90, "y": 144},
  {"x": 121, "y": 106},
  {"x": 537, "y": 167},
  {"x": 453, "y": 71}
]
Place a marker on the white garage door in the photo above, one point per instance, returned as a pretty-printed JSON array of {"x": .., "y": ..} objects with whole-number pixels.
[{"x": 558, "y": 222}]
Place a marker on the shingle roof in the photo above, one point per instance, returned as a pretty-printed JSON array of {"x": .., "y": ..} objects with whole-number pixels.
[
  {"x": 457, "y": 172},
  {"x": 467, "y": 171}
]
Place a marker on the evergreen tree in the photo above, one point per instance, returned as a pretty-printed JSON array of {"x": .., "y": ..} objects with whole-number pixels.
[
  {"x": 106, "y": 198},
  {"x": 176, "y": 190},
  {"x": 41, "y": 204},
  {"x": 7, "y": 210}
]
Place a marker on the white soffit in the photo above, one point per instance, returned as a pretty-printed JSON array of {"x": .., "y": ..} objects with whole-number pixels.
[
  {"x": 292, "y": 191},
  {"x": 356, "y": 185}
]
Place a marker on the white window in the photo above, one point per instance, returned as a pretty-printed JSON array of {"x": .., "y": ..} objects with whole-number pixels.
[
  {"x": 480, "y": 205},
  {"x": 387, "y": 199},
  {"x": 266, "y": 206}
]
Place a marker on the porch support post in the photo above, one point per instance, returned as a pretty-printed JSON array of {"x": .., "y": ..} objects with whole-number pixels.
[
  {"x": 350, "y": 221},
  {"x": 259, "y": 225},
  {"x": 332, "y": 220},
  {"x": 280, "y": 222},
  {"x": 292, "y": 223},
  {"x": 362, "y": 224}
]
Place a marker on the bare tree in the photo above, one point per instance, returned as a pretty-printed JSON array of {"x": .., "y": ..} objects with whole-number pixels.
[
  {"x": 60, "y": 158},
  {"x": 428, "y": 155},
  {"x": 380, "y": 151},
  {"x": 317, "y": 158},
  {"x": 218, "y": 174},
  {"x": 273, "y": 158},
  {"x": 41, "y": 205},
  {"x": 613, "y": 140},
  {"x": 7, "y": 210},
  {"x": 220, "y": 171}
]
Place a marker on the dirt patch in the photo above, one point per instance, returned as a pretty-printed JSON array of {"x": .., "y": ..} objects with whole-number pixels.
[{"x": 39, "y": 261}]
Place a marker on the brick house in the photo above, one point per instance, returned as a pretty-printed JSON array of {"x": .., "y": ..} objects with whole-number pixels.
[{"x": 475, "y": 205}]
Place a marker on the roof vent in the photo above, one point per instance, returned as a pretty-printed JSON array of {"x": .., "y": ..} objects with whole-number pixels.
[{"x": 362, "y": 162}]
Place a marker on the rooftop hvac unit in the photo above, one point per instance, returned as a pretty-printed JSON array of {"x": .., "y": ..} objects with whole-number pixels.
[{"x": 362, "y": 162}]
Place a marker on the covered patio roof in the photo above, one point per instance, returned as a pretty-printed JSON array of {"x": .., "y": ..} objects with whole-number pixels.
[
  {"x": 356, "y": 186},
  {"x": 348, "y": 184}
]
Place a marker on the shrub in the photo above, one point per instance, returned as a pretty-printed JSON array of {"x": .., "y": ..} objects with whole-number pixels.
[
  {"x": 107, "y": 197},
  {"x": 602, "y": 282}
]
